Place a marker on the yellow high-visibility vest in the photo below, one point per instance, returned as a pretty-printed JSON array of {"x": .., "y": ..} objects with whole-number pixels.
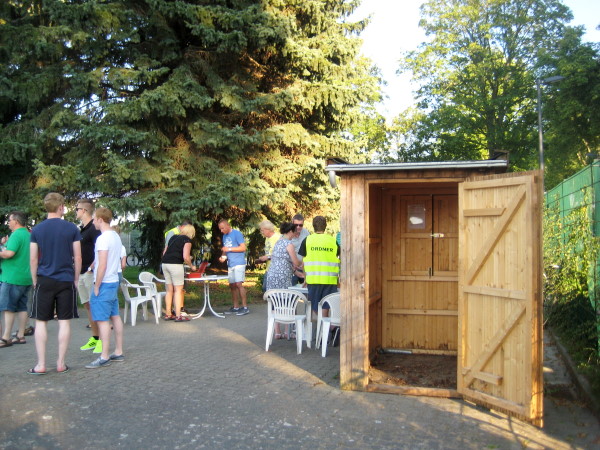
[
  {"x": 321, "y": 263},
  {"x": 173, "y": 231}
]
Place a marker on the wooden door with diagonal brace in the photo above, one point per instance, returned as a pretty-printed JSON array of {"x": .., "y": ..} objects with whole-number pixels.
[{"x": 500, "y": 297}]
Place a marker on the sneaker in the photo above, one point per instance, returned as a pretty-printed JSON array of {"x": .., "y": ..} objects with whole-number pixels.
[
  {"x": 232, "y": 310},
  {"x": 243, "y": 311},
  {"x": 91, "y": 344},
  {"x": 182, "y": 319},
  {"x": 116, "y": 358},
  {"x": 98, "y": 363},
  {"x": 98, "y": 348}
]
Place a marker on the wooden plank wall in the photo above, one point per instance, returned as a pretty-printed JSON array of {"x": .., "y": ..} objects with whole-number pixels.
[
  {"x": 374, "y": 280},
  {"x": 354, "y": 362},
  {"x": 422, "y": 316},
  {"x": 420, "y": 300}
]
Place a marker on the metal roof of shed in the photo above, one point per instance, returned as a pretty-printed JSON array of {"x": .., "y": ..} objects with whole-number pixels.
[{"x": 483, "y": 164}]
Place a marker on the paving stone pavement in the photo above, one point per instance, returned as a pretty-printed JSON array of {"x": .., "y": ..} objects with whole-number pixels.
[{"x": 209, "y": 383}]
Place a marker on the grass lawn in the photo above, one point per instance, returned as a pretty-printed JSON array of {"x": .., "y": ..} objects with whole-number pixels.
[{"x": 220, "y": 295}]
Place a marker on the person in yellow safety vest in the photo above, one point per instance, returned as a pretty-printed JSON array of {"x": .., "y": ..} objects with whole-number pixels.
[
  {"x": 173, "y": 232},
  {"x": 321, "y": 255}
]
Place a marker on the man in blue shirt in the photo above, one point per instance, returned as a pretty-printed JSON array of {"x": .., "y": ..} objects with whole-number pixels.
[
  {"x": 234, "y": 252},
  {"x": 55, "y": 262}
]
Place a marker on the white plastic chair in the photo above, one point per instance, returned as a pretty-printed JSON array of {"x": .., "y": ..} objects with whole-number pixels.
[
  {"x": 143, "y": 296},
  {"x": 149, "y": 279},
  {"x": 308, "y": 331},
  {"x": 324, "y": 323},
  {"x": 282, "y": 304}
]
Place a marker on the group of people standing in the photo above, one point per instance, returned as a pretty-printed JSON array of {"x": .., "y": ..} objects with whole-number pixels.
[
  {"x": 177, "y": 251},
  {"x": 295, "y": 256},
  {"x": 57, "y": 260}
]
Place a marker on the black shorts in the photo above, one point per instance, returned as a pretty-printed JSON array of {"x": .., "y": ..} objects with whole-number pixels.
[{"x": 50, "y": 295}]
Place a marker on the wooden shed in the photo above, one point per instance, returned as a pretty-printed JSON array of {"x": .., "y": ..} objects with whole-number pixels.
[{"x": 444, "y": 259}]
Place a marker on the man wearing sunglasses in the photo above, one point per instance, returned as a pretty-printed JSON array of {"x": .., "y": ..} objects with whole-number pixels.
[{"x": 89, "y": 234}]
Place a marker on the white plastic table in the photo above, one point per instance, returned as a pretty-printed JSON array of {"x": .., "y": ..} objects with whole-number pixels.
[
  {"x": 307, "y": 311},
  {"x": 206, "y": 280}
]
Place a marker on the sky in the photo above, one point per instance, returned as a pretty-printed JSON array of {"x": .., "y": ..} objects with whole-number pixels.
[{"x": 394, "y": 29}]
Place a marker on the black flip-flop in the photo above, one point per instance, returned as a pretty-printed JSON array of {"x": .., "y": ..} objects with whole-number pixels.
[
  {"x": 32, "y": 371},
  {"x": 63, "y": 371}
]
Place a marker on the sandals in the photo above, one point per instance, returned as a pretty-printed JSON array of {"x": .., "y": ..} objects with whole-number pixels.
[
  {"x": 18, "y": 340},
  {"x": 5, "y": 343},
  {"x": 182, "y": 319},
  {"x": 169, "y": 317},
  {"x": 277, "y": 335},
  {"x": 34, "y": 372}
]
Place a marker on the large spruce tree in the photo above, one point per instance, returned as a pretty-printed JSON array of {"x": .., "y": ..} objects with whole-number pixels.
[{"x": 173, "y": 109}]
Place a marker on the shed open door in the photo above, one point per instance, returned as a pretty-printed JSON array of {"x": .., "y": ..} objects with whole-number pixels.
[{"x": 500, "y": 362}]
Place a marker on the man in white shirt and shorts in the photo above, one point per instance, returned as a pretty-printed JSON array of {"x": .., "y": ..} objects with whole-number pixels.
[{"x": 104, "y": 301}]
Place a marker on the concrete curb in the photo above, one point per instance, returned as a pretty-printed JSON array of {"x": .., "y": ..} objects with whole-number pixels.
[{"x": 582, "y": 384}]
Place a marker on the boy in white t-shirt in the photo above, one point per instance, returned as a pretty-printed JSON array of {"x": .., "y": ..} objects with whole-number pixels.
[
  {"x": 117, "y": 230},
  {"x": 104, "y": 301}
]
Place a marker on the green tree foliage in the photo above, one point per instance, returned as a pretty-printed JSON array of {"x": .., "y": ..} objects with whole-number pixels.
[
  {"x": 371, "y": 136},
  {"x": 179, "y": 109},
  {"x": 477, "y": 75},
  {"x": 571, "y": 108}
]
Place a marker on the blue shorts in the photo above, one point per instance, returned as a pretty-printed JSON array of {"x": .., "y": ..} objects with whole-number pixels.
[
  {"x": 317, "y": 291},
  {"x": 106, "y": 304},
  {"x": 237, "y": 274},
  {"x": 13, "y": 297}
]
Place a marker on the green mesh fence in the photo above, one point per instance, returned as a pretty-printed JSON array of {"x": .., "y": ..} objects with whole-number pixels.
[{"x": 582, "y": 189}]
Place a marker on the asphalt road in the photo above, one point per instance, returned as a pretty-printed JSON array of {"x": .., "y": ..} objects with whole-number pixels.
[{"x": 209, "y": 383}]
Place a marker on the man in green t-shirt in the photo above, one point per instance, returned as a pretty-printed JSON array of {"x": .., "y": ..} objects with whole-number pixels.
[{"x": 15, "y": 279}]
